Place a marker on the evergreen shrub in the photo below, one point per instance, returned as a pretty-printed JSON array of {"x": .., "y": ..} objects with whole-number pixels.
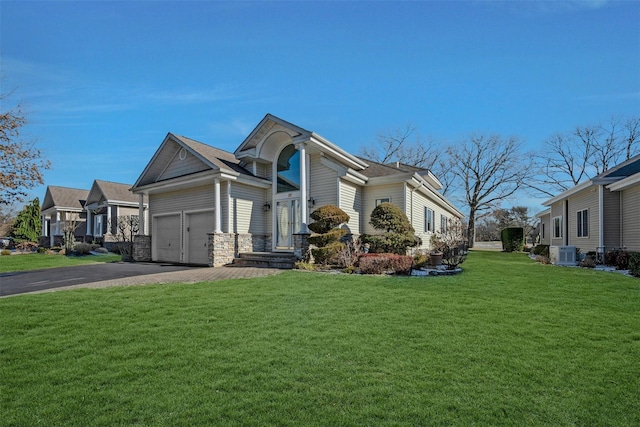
[{"x": 512, "y": 239}]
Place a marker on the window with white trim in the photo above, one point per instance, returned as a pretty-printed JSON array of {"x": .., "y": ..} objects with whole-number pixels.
[
  {"x": 444, "y": 224},
  {"x": 429, "y": 220},
  {"x": 542, "y": 227},
  {"x": 383, "y": 200},
  {"x": 557, "y": 227},
  {"x": 582, "y": 223}
]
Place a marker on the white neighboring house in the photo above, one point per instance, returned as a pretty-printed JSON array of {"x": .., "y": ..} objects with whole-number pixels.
[
  {"x": 600, "y": 214},
  {"x": 106, "y": 203},
  {"x": 61, "y": 205},
  {"x": 207, "y": 205}
]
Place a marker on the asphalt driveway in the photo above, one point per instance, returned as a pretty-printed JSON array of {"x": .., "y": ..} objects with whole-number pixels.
[{"x": 37, "y": 280}]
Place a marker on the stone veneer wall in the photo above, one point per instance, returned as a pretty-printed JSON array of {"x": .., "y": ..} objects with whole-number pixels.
[
  {"x": 301, "y": 245},
  {"x": 142, "y": 248},
  {"x": 224, "y": 247}
]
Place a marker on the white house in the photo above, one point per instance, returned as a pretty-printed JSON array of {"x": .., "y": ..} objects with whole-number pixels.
[{"x": 207, "y": 205}]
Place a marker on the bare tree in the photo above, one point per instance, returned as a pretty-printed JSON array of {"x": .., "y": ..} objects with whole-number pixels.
[
  {"x": 396, "y": 146},
  {"x": 631, "y": 136},
  {"x": 21, "y": 164},
  {"x": 568, "y": 159},
  {"x": 491, "y": 169},
  {"x": 70, "y": 224},
  {"x": 126, "y": 227}
]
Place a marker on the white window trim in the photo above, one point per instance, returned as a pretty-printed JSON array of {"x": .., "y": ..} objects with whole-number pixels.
[
  {"x": 429, "y": 220},
  {"x": 382, "y": 200},
  {"x": 581, "y": 224},
  {"x": 553, "y": 226}
]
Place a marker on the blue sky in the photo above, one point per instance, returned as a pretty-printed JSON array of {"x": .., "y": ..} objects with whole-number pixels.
[{"x": 103, "y": 82}]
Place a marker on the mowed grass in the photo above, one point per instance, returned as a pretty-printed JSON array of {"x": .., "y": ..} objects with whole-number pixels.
[
  {"x": 35, "y": 261},
  {"x": 507, "y": 342}
]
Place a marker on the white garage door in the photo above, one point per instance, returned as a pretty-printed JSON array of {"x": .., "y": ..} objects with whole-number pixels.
[
  {"x": 198, "y": 225},
  {"x": 166, "y": 238}
]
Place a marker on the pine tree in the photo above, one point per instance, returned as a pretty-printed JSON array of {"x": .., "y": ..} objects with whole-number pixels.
[{"x": 28, "y": 225}]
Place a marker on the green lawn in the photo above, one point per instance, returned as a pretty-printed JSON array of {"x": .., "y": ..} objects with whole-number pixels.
[
  {"x": 37, "y": 261},
  {"x": 507, "y": 342}
]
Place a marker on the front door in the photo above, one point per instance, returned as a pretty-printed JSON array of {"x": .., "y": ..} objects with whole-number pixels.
[{"x": 287, "y": 223}]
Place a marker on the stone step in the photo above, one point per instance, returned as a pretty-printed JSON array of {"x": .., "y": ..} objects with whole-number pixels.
[{"x": 265, "y": 260}]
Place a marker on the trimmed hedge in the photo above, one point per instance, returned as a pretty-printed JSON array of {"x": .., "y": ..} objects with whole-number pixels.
[
  {"x": 512, "y": 239},
  {"x": 385, "y": 263}
]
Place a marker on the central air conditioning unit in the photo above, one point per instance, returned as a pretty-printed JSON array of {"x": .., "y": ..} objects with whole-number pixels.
[{"x": 562, "y": 255}]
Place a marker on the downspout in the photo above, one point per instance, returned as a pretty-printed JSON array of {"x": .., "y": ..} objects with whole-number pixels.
[
  {"x": 565, "y": 238},
  {"x": 601, "y": 216}
]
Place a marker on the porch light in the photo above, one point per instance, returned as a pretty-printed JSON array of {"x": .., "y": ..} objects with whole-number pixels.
[{"x": 266, "y": 207}]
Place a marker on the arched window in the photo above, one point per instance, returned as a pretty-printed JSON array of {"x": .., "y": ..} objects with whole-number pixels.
[{"x": 289, "y": 169}]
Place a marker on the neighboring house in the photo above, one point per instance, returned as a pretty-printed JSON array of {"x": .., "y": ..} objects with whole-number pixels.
[
  {"x": 207, "y": 205},
  {"x": 544, "y": 223},
  {"x": 600, "y": 214},
  {"x": 108, "y": 204},
  {"x": 62, "y": 207}
]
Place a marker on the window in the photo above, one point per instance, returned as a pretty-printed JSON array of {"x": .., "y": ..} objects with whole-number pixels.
[
  {"x": 557, "y": 227},
  {"x": 444, "y": 223},
  {"x": 429, "y": 220},
  {"x": 383, "y": 200},
  {"x": 289, "y": 169},
  {"x": 542, "y": 230},
  {"x": 583, "y": 223}
]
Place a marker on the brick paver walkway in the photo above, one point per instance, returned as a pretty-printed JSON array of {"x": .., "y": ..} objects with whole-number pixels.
[{"x": 193, "y": 275}]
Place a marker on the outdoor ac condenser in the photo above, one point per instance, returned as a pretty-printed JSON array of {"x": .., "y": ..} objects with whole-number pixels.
[{"x": 562, "y": 255}]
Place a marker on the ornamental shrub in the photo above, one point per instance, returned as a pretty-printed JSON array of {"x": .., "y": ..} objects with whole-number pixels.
[
  {"x": 390, "y": 218},
  {"x": 542, "y": 250},
  {"x": 512, "y": 239},
  {"x": 385, "y": 263},
  {"x": 634, "y": 263},
  {"x": 398, "y": 233},
  {"x": 326, "y": 218}
]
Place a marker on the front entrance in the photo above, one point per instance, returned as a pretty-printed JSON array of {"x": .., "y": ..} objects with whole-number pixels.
[{"x": 287, "y": 223}]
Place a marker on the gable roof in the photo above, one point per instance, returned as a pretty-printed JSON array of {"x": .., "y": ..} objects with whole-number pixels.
[
  {"x": 251, "y": 146},
  {"x": 211, "y": 158},
  {"x": 64, "y": 198},
  {"x": 111, "y": 191}
]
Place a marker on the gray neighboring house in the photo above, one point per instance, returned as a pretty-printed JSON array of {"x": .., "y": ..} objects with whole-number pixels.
[
  {"x": 207, "y": 206},
  {"x": 598, "y": 215},
  {"x": 107, "y": 202},
  {"x": 62, "y": 205}
]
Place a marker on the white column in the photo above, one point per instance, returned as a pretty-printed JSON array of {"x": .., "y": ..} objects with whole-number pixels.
[
  {"x": 108, "y": 219},
  {"x": 57, "y": 233},
  {"x": 141, "y": 222},
  {"x": 229, "y": 225},
  {"x": 304, "y": 209},
  {"x": 44, "y": 224},
  {"x": 89, "y": 223},
  {"x": 218, "y": 213}
]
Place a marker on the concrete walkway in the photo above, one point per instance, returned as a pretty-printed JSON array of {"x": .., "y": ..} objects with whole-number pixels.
[{"x": 193, "y": 275}]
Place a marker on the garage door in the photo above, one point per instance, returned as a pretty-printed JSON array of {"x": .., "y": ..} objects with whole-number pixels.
[
  {"x": 198, "y": 225},
  {"x": 166, "y": 238}
]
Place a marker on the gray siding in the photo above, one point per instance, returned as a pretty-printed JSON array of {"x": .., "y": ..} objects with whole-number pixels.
[
  {"x": 585, "y": 199},
  {"x": 351, "y": 203},
  {"x": 612, "y": 226},
  {"x": 394, "y": 191},
  {"x": 190, "y": 199},
  {"x": 630, "y": 199},
  {"x": 247, "y": 212},
  {"x": 180, "y": 167},
  {"x": 323, "y": 185},
  {"x": 545, "y": 224},
  {"x": 557, "y": 210}
]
